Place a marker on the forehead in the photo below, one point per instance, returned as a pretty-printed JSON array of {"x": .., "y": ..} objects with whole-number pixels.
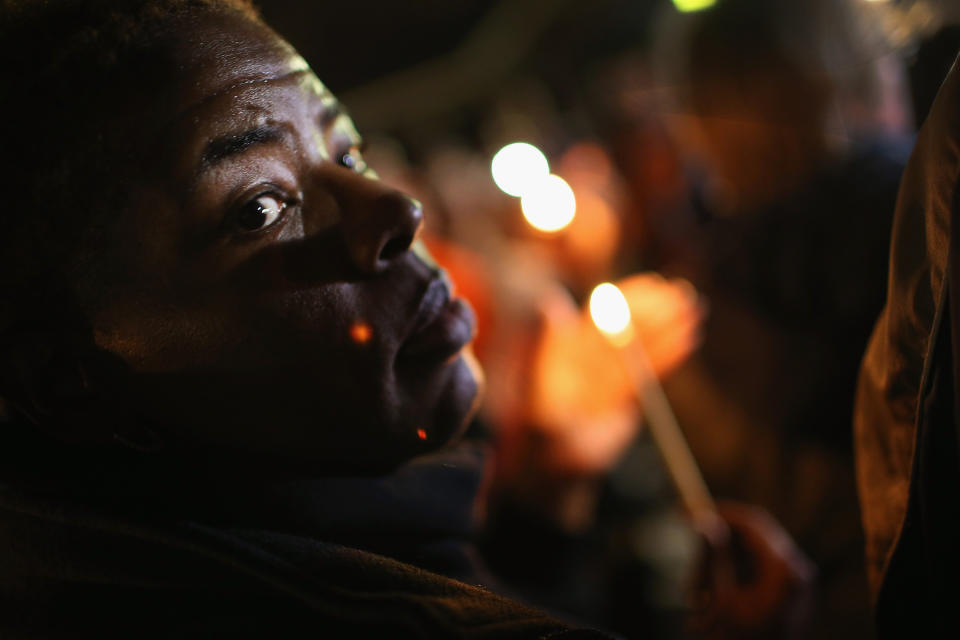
[
  {"x": 231, "y": 73},
  {"x": 221, "y": 52}
]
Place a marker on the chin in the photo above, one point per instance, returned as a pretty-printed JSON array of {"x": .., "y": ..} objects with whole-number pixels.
[
  {"x": 453, "y": 405},
  {"x": 463, "y": 398},
  {"x": 438, "y": 410}
]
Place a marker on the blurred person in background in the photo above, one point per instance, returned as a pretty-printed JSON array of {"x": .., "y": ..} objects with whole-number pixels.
[{"x": 796, "y": 115}]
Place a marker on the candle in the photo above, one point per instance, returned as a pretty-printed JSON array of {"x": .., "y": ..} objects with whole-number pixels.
[{"x": 611, "y": 315}]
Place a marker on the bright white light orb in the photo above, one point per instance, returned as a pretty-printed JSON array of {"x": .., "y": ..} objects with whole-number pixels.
[
  {"x": 518, "y": 167},
  {"x": 609, "y": 309},
  {"x": 549, "y": 205}
]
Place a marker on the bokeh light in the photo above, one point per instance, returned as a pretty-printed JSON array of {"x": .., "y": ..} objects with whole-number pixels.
[
  {"x": 549, "y": 205},
  {"x": 593, "y": 236},
  {"x": 609, "y": 309},
  {"x": 686, "y": 6},
  {"x": 517, "y": 167},
  {"x": 360, "y": 333}
]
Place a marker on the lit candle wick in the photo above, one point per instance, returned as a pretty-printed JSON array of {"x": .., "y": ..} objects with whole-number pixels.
[{"x": 611, "y": 315}]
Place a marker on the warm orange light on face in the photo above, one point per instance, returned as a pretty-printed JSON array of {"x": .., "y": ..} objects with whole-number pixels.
[
  {"x": 421, "y": 434},
  {"x": 361, "y": 333}
]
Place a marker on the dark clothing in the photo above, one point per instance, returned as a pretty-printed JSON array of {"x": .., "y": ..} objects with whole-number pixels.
[
  {"x": 794, "y": 290},
  {"x": 907, "y": 414},
  {"x": 142, "y": 548}
]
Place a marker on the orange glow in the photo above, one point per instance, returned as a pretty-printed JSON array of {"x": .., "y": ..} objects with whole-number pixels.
[
  {"x": 667, "y": 316},
  {"x": 594, "y": 233},
  {"x": 587, "y": 164},
  {"x": 421, "y": 434},
  {"x": 361, "y": 333},
  {"x": 581, "y": 398}
]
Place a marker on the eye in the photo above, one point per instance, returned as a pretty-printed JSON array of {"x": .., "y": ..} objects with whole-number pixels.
[
  {"x": 261, "y": 212},
  {"x": 353, "y": 160}
]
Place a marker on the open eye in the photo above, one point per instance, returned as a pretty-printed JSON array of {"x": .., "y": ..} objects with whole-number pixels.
[
  {"x": 353, "y": 159},
  {"x": 261, "y": 212}
]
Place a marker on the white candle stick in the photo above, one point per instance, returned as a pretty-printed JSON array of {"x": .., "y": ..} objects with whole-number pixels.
[{"x": 611, "y": 315}]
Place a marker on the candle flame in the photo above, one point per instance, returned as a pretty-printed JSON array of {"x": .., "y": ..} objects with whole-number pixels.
[{"x": 610, "y": 311}]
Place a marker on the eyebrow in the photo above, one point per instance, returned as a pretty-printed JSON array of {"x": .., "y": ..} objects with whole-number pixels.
[{"x": 233, "y": 144}]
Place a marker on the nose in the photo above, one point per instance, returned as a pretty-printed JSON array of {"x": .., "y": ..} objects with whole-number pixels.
[
  {"x": 378, "y": 223},
  {"x": 385, "y": 232}
]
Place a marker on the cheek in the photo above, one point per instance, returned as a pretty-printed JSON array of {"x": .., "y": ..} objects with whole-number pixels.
[
  {"x": 151, "y": 338},
  {"x": 462, "y": 398},
  {"x": 328, "y": 322},
  {"x": 156, "y": 338},
  {"x": 286, "y": 374},
  {"x": 229, "y": 330}
]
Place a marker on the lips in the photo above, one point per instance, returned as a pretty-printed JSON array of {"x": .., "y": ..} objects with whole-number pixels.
[{"x": 442, "y": 325}]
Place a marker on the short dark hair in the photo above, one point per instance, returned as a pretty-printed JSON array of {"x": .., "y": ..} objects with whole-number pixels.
[{"x": 62, "y": 62}]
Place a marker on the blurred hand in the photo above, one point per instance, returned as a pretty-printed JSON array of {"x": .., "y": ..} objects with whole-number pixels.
[
  {"x": 667, "y": 317},
  {"x": 753, "y": 582},
  {"x": 582, "y": 400}
]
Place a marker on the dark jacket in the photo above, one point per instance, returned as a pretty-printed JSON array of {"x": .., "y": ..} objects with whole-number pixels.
[
  {"x": 906, "y": 419},
  {"x": 113, "y": 546}
]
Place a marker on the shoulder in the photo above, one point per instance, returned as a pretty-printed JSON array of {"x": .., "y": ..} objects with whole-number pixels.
[{"x": 75, "y": 572}]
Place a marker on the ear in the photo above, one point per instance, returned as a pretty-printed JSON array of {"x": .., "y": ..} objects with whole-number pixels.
[
  {"x": 24, "y": 359},
  {"x": 61, "y": 386}
]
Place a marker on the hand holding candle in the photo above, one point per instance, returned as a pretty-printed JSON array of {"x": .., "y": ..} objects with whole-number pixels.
[{"x": 770, "y": 599}]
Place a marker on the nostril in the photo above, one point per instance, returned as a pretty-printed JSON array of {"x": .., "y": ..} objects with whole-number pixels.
[{"x": 395, "y": 247}]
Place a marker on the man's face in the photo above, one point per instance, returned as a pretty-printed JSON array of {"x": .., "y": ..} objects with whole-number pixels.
[{"x": 266, "y": 291}]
